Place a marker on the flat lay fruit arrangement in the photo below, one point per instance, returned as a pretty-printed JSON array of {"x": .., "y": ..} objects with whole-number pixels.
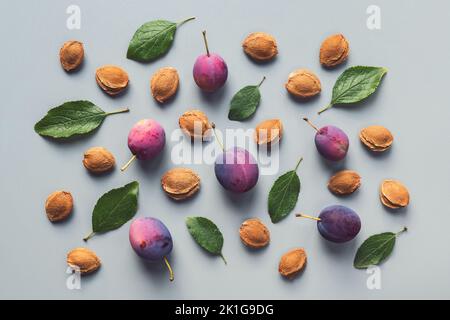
[{"x": 235, "y": 168}]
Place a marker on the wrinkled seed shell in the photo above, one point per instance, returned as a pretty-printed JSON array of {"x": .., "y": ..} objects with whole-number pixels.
[
  {"x": 263, "y": 131},
  {"x": 59, "y": 205},
  {"x": 180, "y": 183},
  {"x": 71, "y": 55},
  {"x": 83, "y": 258},
  {"x": 187, "y": 123},
  {"x": 112, "y": 79},
  {"x": 303, "y": 83},
  {"x": 394, "y": 194},
  {"x": 164, "y": 84},
  {"x": 376, "y": 138},
  {"x": 254, "y": 233},
  {"x": 260, "y": 46},
  {"x": 98, "y": 160},
  {"x": 344, "y": 182},
  {"x": 386, "y": 202},
  {"x": 292, "y": 262},
  {"x": 334, "y": 50}
]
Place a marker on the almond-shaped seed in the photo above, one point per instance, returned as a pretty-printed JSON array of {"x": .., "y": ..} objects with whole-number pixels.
[
  {"x": 292, "y": 262},
  {"x": 164, "y": 84},
  {"x": 376, "y": 138},
  {"x": 98, "y": 160},
  {"x": 254, "y": 233},
  {"x": 180, "y": 183},
  {"x": 394, "y": 194},
  {"x": 303, "y": 83},
  {"x": 344, "y": 182},
  {"x": 269, "y": 132},
  {"x": 71, "y": 55},
  {"x": 195, "y": 123},
  {"x": 59, "y": 205},
  {"x": 83, "y": 259},
  {"x": 112, "y": 79},
  {"x": 334, "y": 50},
  {"x": 260, "y": 46}
]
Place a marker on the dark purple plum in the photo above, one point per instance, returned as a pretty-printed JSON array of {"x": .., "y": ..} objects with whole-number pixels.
[
  {"x": 210, "y": 70},
  {"x": 337, "y": 223},
  {"x": 151, "y": 240},
  {"x": 236, "y": 170},
  {"x": 331, "y": 142}
]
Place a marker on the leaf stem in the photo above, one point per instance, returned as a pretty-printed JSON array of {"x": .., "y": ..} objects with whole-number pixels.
[
  {"x": 118, "y": 111},
  {"x": 301, "y": 215},
  {"x": 90, "y": 235},
  {"x": 171, "y": 276},
  {"x": 213, "y": 125},
  {"x": 259, "y": 85},
  {"x": 206, "y": 42},
  {"x": 401, "y": 231},
  {"x": 298, "y": 163},
  {"x": 128, "y": 163},
  {"x": 328, "y": 106},
  {"x": 311, "y": 124},
  {"x": 223, "y": 258},
  {"x": 184, "y": 21}
]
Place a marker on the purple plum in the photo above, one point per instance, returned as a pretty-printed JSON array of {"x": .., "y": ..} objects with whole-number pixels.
[
  {"x": 210, "y": 70},
  {"x": 145, "y": 140},
  {"x": 331, "y": 142},
  {"x": 151, "y": 240},
  {"x": 337, "y": 223},
  {"x": 236, "y": 170}
]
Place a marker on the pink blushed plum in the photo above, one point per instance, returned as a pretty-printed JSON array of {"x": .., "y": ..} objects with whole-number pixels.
[
  {"x": 151, "y": 240},
  {"x": 236, "y": 170},
  {"x": 331, "y": 142},
  {"x": 145, "y": 140},
  {"x": 210, "y": 70}
]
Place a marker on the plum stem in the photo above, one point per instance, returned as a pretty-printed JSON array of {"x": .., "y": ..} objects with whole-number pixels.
[
  {"x": 311, "y": 124},
  {"x": 171, "y": 276},
  {"x": 118, "y": 111},
  {"x": 328, "y": 106},
  {"x": 401, "y": 231},
  {"x": 213, "y": 125},
  {"x": 184, "y": 21},
  {"x": 126, "y": 165},
  {"x": 223, "y": 258},
  {"x": 301, "y": 215},
  {"x": 259, "y": 84},
  {"x": 206, "y": 42},
  {"x": 90, "y": 235},
  {"x": 298, "y": 163}
]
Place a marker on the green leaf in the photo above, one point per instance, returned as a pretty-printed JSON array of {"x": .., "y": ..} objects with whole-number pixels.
[
  {"x": 114, "y": 208},
  {"x": 355, "y": 84},
  {"x": 375, "y": 249},
  {"x": 244, "y": 102},
  {"x": 152, "y": 40},
  {"x": 206, "y": 234},
  {"x": 283, "y": 195},
  {"x": 72, "y": 118}
]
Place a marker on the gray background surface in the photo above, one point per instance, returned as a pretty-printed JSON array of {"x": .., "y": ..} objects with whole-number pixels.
[{"x": 412, "y": 102}]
